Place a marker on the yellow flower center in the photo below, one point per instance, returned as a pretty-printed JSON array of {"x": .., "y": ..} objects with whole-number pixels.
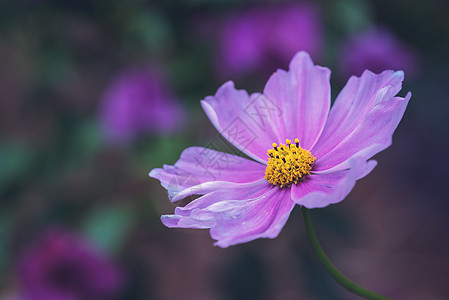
[{"x": 288, "y": 163}]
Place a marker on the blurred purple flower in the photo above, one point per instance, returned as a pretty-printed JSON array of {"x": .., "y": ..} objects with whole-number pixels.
[
  {"x": 62, "y": 266},
  {"x": 267, "y": 37},
  {"x": 241, "y": 199},
  {"x": 376, "y": 49},
  {"x": 139, "y": 102}
]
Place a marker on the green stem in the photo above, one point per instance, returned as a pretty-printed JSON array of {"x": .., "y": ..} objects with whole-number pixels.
[{"x": 329, "y": 266}]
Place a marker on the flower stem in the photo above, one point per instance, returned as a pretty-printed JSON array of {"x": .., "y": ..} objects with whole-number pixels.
[{"x": 329, "y": 266}]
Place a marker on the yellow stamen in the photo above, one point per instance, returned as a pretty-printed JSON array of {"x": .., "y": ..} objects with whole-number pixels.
[{"x": 288, "y": 164}]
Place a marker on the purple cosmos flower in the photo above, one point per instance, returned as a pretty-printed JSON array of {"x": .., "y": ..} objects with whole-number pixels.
[
  {"x": 325, "y": 151},
  {"x": 136, "y": 102},
  {"x": 376, "y": 49},
  {"x": 64, "y": 267},
  {"x": 265, "y": 37}
]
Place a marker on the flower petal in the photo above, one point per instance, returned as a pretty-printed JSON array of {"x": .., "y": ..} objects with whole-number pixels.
[
  {"x": 262, "y": 217},
  {"x": 198, "y": 207},
  {"x": 236, "y": 215},
  {"x": 362, "y": 120},
  {"x": 244, "y": 120},
  {"x": 320, "y": 190},
  {"x": 294, "y": 104},
  {"x": 303, "y": 96},
  {"x": 199, "y": 165}
]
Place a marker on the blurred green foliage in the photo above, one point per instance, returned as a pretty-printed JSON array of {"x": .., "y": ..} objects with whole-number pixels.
[{"x": 107, "y": 227}]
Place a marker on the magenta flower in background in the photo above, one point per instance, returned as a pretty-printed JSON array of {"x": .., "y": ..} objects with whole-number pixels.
[
  {"x": 325, "y": 151},
  {"x": 139, "y": 102},
  {"x": 376, "y": 49},
  {"x": 61, "y": 266},
  {"x": 266, "y": 37}
]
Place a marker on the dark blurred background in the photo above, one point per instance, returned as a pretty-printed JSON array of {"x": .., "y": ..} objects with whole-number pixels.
[{"x": 94, "y": 94}]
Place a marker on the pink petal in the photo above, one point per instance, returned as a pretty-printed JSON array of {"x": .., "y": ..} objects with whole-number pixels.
[
  {"x": 236, "y": 215},
  {"x": 295, "y": 104},
  {"x": 320, "y": 190},
  {"x": 198, "y": 165},
  {"x": 362, "y": 120},
  {"x": 197, "y": 209},
  {"x": 303, "y": 96},
  {"x": 245, "y": 121}
]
